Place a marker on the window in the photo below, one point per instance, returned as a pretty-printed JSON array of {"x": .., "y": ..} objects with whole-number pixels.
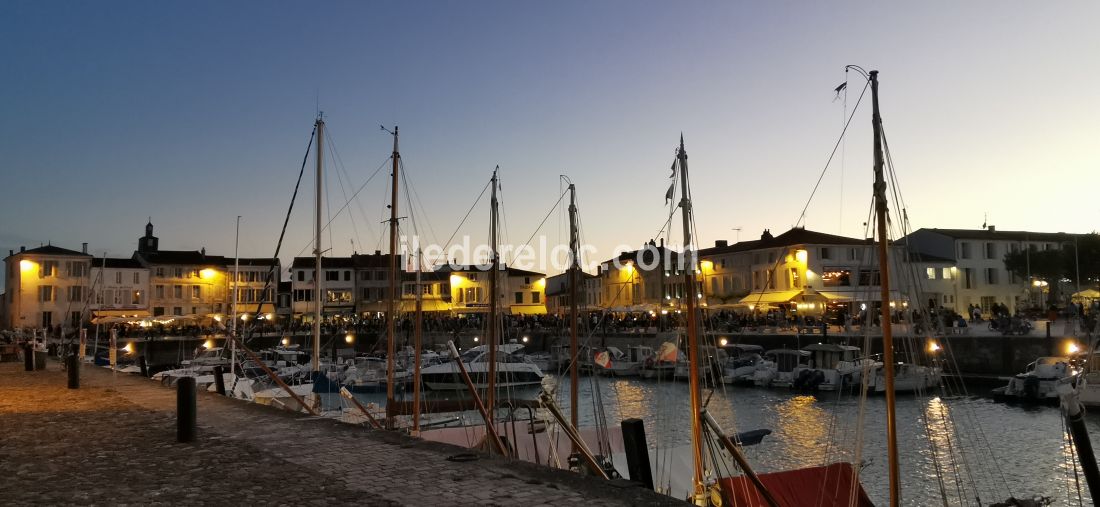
[
  {"x": 771, "y": 279},
  {"x": 118, "y": 277},
  {"x": 931, "y": 273},
  {"x": 347, "y": 276},
  {"x": 825, "y": 253},
  {"x": 177, "y": 291},
  {"x": 795, "y": 281},
  {"x": 99, "y": 297},
  {"x": 723, "y": 263},
  {"x": 135, "y": 298},
  {"x": 519, "y": 298},
  {"x": 160, "y": 274},
  {"x": 301, "y": 276},
  {"x": 526, "y": 280},
  {"x": 45, "y": 293},
  {"x": 178, "y": 273},
  {"x": 366, "y": 294},
  {"x": 991, "y": 276},
  {"x": 968, "y": 278},
  {"x": 836, "y": 277},
  {"x": 947, "y": 274},
  {"x": 158, "y": 311},
  {"x": 159, "y": 292},
  {"x": 472, "y": 277},
  {"x": 964, "y": 250},
  {"x": 48, "y": 268},
  {"x": 364, "y": 275},
  {"x": 177, "y": 310},
  {"x": 196, "y": 292},
  {"x": 109, "y": 296},
  {"x": 118, "y": 297},
  {"x": 332, "y": 276},
  {"x": 714, "y": 285},
  {"x": 988, "y": 302},
  {"x": 870, "y": 277},
  {"x": 137, "y": 277},
  {"x": 337, "y": 296},
  {"x": 771, "y": 257},
  {"x": 990, "y": 250},
  {"x": 76, "y": 294},
  {"x": 855, "y": 254},
  {"x": 193, "y": 274},
  {"x": 76, "y": 269},
  {"x": 47, "y": 319},
  {"x": 535, "y": 297},
  {"x": 74, "y": 319}
]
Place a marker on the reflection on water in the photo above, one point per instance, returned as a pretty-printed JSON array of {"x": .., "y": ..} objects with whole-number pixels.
[{"x": 980, "y": 449}]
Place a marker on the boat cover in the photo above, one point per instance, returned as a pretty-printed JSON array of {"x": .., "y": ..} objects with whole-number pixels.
[{"x": 824, "y": 486}]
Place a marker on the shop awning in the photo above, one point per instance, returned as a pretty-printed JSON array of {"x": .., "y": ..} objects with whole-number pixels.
[
  {"x": 835, "y": 296},
  {"x": 428, "y": 305},
  {"x": 770, "y": 297},
  {"x": 528, "y": 310},
  {"x": 137, "y": 314}
]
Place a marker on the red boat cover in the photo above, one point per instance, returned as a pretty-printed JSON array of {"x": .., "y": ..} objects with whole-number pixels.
[{"x": 832, "y": 485}]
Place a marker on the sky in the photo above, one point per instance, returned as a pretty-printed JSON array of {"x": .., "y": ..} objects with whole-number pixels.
[{"x": 192, "y": 113}]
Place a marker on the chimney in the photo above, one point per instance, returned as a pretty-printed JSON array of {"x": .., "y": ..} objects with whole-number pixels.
[
  {"x": 203, "y": 251},
  {"x": 84, "y": 248},
  {"x": 766, "y": 235},
  {"x": 377, "y": 252},
  {"x": 992, "y": 228},
  {"x": 11, "y": 253},
  {"x": 662, "y": 242},
  {"x": 721, "y": 243}
]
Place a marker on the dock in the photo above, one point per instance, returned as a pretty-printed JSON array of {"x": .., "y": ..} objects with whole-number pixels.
[{"x": 113, "y": 441}]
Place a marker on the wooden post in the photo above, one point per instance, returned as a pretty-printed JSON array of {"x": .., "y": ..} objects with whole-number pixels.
[
  {"x": 219, "y": 379},
  {"x": 72, "y": 365},
  {"x": 637, "y": 452},
  {"x": 185, "y": 410}
]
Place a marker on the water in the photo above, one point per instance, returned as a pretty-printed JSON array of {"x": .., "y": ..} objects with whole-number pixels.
[{"x": 982, "y": 449}]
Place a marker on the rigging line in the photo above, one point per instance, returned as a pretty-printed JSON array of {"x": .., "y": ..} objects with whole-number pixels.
[
  {"x": 340, "y": 164},
  {"x": 409, "y": 188},
  {"x": 464, "y": 218},
  {"x": 543, "y": 222},
  {"x": 340, "y": 179},
  {"x": 353, "y": 196},
  {"x": 833, "y": 153}
]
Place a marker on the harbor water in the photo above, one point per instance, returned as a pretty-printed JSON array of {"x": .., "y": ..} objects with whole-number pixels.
[{"x": 961, "y": 447}]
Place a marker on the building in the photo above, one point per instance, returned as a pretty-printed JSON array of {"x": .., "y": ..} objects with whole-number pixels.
[
  {"x": 183, "y": 282},
  {"x": 980, "y": 277},
  {"x": 646, "y": 279},
  {"x": 558, "y": 293},
  {"x": 802, "y": 269},
  {"x": 338, "y": 286},
  {"x": 120, "y": 288},
  {"x": 520, "y": 291},
  {"x": 372, "y": 273},
  {"x": 47, "y": 287}
]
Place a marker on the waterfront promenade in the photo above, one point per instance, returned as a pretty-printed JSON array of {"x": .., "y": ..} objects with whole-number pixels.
[{"x": 113, "y": 442}]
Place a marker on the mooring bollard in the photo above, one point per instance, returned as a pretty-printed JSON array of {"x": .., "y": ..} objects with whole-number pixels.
[
  {"x": 637, "y": 452},
  {"x": 72, "y": 367},
  {"x": 28, "y": 357},
  {"x": 144, "y": 366},
  {"x": 185, "y": 410},
  {"x": 219, "y": 379}
]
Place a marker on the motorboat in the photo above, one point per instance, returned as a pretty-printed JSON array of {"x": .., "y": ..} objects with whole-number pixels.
[
  {"x": 662, "y": 364},
  {"x": 831, "y": 367},
  {"x": 908, "y": 378},
  {"x": 1039, "y": 382},
  {"x": 628, "y": 363},
  {"x": 741, "y": 363},
  {"x": 512, "y": 370},
  {"x": 712, "y": 361},
  {"x": 778, "y": 366}
]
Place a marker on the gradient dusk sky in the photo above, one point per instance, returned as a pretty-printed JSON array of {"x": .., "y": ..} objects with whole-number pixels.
[{"x": 195, "y": 112}]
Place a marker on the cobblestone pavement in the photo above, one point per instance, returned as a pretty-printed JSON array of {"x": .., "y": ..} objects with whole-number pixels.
[{"x": 113, "y": 442}]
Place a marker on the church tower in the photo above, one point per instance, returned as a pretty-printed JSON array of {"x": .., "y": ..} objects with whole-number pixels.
[{"x": 148, "y": 243}]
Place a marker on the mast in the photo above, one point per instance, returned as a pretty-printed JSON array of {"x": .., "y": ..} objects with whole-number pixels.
[
  {"x": 699, "y": 493},
  {"x": 884, "y": 270},
  {"x": 417, "y": 345},
  {"x": 390, "y": 310},
  {"x": 491, "y": 340},
  {"x": 573, "y": 267},
  {"x": 317, "y": 276},
  {"x": 236, "y": 282}
]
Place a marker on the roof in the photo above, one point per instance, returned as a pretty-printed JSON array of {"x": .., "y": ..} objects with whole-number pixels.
[
  {"x": 326, "y": 262},
  {"x": 375, "y": 260},
  {"x": 459, "y": 268},
  {"x": 52, "y": 250},
  {"x": 794, "y": 236},
  {"x": 130, "y": 263},
  {"x": 927, "y": 257},
  {"x": 252, "y": 261},
  {"x": 993, "y": 234},
  {"x": 648, "y": 254},
  {"x": 191, "y": 257}
]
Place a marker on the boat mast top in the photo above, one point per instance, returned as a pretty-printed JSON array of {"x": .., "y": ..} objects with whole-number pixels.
[
  {"x": 391, "y": 317},
  {"x": 689, "y": 267},
  {"x": 317, "y": 276}
]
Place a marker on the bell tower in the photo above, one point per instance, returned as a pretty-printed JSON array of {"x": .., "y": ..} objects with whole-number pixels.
[{"x": 148, "y": 243}]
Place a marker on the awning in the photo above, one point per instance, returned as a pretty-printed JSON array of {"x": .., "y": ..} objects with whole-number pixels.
[
  {"x": 121, "y": 313},
  {"x": 770, "y": 297},
  {"x": 835, "y": 296},
  {"x": 528, "y": 310},
  {"x": 428, "y": 305}
]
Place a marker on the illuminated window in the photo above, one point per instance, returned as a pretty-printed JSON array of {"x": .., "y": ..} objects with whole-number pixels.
[
  {"x": 196, "y": 292},
  {"x": 931, "y": 273},
  {"x": 946, "y": 272},
  {"x": 45, "y": 293},
  {"x": 836, "y": 277}
]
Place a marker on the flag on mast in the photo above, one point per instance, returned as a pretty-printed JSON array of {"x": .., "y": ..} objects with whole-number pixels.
[{"x": 603, "y": 359}]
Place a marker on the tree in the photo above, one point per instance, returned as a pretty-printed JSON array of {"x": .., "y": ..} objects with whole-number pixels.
[{"x": 1054, "y": 265}]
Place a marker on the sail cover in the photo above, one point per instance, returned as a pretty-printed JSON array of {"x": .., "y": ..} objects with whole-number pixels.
[{"x": 833, "y": 485}]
